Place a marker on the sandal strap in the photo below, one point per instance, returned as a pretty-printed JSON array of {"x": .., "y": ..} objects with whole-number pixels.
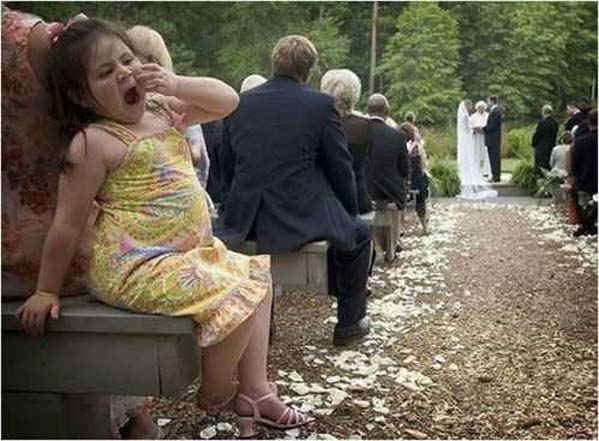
[
  {"x": 255, "y": 402},
  {"x": 214, "y": 408}
]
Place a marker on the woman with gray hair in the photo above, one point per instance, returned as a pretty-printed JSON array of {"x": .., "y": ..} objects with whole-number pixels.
[
  {"x": 345, "y": 88},
  {"x": 544, "y": 138}
]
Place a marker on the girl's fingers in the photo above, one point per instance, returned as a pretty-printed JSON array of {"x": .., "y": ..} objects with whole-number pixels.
[{"x": 151, "y": 67}]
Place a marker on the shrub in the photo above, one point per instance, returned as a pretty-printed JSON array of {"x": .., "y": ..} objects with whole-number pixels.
[
  {"x": 445, "y": 181},
  {"x": 440, "y": 141},
  {"x": 519, "y": 143},
  {"x": 526, "y": 177}
]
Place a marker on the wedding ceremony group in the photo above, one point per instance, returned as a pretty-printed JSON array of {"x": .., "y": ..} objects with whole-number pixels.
[{"x": 299, "y": 220}]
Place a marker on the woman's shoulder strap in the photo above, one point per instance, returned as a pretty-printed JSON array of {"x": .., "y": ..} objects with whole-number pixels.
[{"x": 122, "y": 133}]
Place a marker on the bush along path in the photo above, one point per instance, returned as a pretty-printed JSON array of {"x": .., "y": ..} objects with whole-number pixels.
[{"x": 486, "y": 328}]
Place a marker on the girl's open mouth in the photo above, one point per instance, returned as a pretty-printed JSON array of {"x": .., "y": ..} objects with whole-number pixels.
[{"x": 132, "y": 96}]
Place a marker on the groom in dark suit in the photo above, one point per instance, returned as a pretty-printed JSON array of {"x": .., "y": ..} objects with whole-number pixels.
[
  {"x": 493, "y": 137},
  {"x": 288, "y": 179}
]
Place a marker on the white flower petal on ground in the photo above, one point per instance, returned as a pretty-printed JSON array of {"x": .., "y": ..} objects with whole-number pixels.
[
  {"x": 208, "y": 433},
  {"x": 224, "y": 427},
  {"x": 161, "y": 422}
]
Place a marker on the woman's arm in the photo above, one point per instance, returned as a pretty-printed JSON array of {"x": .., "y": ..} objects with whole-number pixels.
[
  {"x": 198, "y": 99},
  {"x": 77, "y": 189}
]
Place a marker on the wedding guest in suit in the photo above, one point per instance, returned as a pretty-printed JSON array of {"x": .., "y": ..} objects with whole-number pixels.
[
  {"x": 584, "y": 171},
  {"x": 493, "y": 137},
  {"x": 544, "y": 138},
  {"x": 345, "y": 88},
  {"x": 288, "y": 175},
  {"x": 388, "y": 167},
  {"x": 213, "y": 136}
]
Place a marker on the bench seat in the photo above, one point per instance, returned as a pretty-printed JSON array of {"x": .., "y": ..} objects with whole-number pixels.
[
  {"x": 304, "y": 269},
  {"x": 91, "y": 351}
]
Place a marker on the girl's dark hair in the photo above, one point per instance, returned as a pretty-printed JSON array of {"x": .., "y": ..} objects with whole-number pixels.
[{"x": 67, "y": 79}]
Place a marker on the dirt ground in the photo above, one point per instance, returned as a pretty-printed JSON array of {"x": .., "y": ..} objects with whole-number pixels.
[{"x": 485, "y": 328}]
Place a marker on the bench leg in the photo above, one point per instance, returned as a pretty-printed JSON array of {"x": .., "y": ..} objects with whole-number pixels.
[{"x": 277, "y": 290}]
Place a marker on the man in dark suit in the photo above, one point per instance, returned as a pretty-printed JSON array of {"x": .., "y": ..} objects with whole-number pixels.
[
  {"x": 493, "y": 137},
  {"x": 584, "y": 171},
  {"x": 544, "y": 138},
  {"x": 288, "y": 175},
  {"x": 388, "y": 165}
]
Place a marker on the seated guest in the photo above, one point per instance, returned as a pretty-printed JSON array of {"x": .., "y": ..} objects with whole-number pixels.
[
  {"x": 419, "y": 170},
  {"x": 345, "y": 88},
  {"x": 560, "y": 154},
  {"x": 584, "y": 172},
  {"x": 388, "y": 164},
  {"x": 410, "y": 118},
  {"x": 388, "y": 168},
  {"x": 289, "y": 178},
  {"x": 560, "y": 165},
  {"x": 30, "y": 184},
  {"x": 544, "y": 138}
]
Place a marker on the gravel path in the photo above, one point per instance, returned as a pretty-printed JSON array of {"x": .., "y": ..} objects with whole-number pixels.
[{"x": 486, "y": 328}]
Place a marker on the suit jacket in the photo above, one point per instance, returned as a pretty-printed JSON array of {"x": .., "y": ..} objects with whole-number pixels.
[
  {"x": 388, "y": 164},
  {"x": 543, "y": 140},
  {"x": 287, "y": 170},
  {"x": 493, "y": 128},
  {"x": 213, "y": 136},
  {"x": 584, "y": 162},
  {"x": 357, "y": 131}
]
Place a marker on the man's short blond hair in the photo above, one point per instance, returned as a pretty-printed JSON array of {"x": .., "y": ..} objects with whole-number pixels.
[
  {"x": 149, "y": 44},
  {"x": 344, "y": 86},
  {"x": 294, "y": 56}
]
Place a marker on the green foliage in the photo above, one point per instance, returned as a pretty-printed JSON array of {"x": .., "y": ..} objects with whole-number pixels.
[
  {"x": 421, "y": 62},
  {"x": 440, "y": 141},
  {"x": 526, "y": 177},
  {"x": 445, "y": 181},
  {"x": 519, "y": 143},
  {"x": 528, "y": 53}
]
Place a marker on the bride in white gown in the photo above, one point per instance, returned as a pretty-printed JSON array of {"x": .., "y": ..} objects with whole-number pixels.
[{"x": 472, "y": 184}]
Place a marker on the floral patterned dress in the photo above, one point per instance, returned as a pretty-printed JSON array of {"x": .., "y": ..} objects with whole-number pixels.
[
  {"x": 29, "y": 172},
  {"x": 153, "y": 250}
]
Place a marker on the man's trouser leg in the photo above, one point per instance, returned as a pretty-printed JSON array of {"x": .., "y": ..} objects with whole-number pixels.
[{"x": 351, "y": 272}]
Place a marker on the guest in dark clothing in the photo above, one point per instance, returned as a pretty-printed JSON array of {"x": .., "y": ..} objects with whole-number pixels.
[
  {"x": 544, "y": 138},
  {"x": 493, "y": 137},
  {"x": 345, "y": 88},
  {"x": 584, "y": 172},
  {"x": 213, "y": 136},
  {"x": 418, "y": 170},
  {"x": 575, "y": 116},
  {"x": 289, "y": 179},
  {"x": 388, "y": 168}
]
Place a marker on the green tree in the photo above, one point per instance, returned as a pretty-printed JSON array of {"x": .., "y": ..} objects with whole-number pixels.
[{"x": 420, "y": 62}]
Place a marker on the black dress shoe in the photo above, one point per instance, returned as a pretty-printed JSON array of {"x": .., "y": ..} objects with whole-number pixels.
[{"x": 345, "y": 335}]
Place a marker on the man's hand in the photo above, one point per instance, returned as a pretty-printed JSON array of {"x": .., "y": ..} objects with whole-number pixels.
[{"x": 32, "y": 314}]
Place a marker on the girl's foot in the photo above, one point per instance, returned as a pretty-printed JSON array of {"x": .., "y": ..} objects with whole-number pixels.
[{"x": 266, "y": 409}]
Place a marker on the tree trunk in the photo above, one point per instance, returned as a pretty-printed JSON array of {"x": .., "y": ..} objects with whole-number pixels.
[{"x": 375, "y": 11}]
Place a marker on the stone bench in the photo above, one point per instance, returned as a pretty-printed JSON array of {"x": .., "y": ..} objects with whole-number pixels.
[
  {"x": 387, "y": 221},
  {"x": 304, "y": 269},
  {"x": 57, "y": 386}
]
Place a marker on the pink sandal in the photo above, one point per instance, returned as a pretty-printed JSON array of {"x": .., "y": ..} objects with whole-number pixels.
[
  {"x": 215, "y": 409},
  {"x": 290, "y": 418}
]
